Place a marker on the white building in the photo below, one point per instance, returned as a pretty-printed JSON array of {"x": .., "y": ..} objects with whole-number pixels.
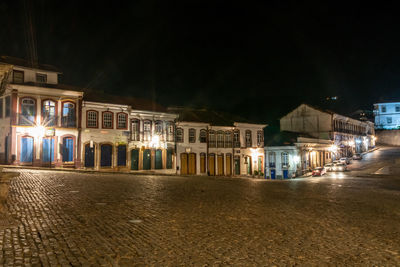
[
  {"x": 209, "y": 143},
  {"x": 117, "y": 137},
  {"x": 387, "y": 115},
  {"x": 349, "y": 135},
  {"x": 39, "y": 118},
  {"x": 291, "y": 154}
]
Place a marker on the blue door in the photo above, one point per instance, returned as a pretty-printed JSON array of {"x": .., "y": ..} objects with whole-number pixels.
[
  {"x": 272, "y": 174},
  {"x": 68, "y": 149},
  {"x": 122, "y": 155},
  {"x": 285, "y": 174},
  {"x": 106, "y": 156},
  {"x": 48, "y": 148},
  {"x": 26, "y": 150},
  {"x": 89, "y": 156}
]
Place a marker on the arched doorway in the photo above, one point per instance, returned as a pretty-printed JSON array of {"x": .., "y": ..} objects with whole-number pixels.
[{"x": 106, "y": 155}]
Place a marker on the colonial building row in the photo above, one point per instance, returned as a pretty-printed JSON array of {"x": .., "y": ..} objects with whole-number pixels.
[{"x": 44, "y": 123}]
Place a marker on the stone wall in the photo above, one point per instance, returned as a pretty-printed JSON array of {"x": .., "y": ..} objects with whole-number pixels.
[{"x": 388, "y": 137}]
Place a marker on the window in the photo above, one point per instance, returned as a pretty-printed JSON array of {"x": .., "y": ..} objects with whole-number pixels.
[
  {"x": 159, "y": 128},
  {"x": 8, "y": 106},
  {"x": 271, "y": 158},
  {"x": 1, "y": 107},
  {"x": 92, "y": 120},
  {"x": 179, "y": 135},
  {"x": 28, "y": 111},
  {"x": 18, "y": 76},
  {"x": 192, "y": 136},
  {"x": 249, "y": 142},
  {"x": 41, "y": 78},
  {"x": 203, "y": 136},
  {"x": 108, "y": 119},
  {"x": 260, "y": 138},
  {"x": 383, "y": 108},
  {"x": 389, "y": 120},
  {"x": 211, "y": 139},
  {"x": 228, "y": 139},
  {"x": 121, "y": 120},
  {"x": 49, "y": 113},
  {"x": 68, "y": 115},
  {"x": 135, "y": 130},
  {"x": 236, "y": 138},
  {"x": 220, "y": 139},
  {"x": 170, "y": 131},
  {"x": 285, "y": 159},
  {"x": 147, "y": 130},
  {"x": 397, "y": 108}
]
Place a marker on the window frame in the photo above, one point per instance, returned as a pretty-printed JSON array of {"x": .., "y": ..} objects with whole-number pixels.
[
  {"x": 192, "y": 135},
  {"x": 383, "y": 109},
  {"x": 126, "y": 120},
  {"x": 212, "y": 142},
  {"x": 34, "y": 107},
  {"x": 137, "y": 137},
  {"x": 228, "y": 143},
  {"x": 250, "y": 139},
  {"x": 236, "y": 144},
  {"x": 205, "y": 136},
  {"x": 20, "y": 72},
  {"x": 112, "y": 119},
  {"x": 220, "y": 135},
  {"x": 389, "y": 120},
  {"x": 55, "y": 110},
  {"x": 177, "y": 130},
  {"x": 87, "y": 119},
  {"x": 260, "y": 138},
  {"x": 41, "y": 75},
  {"x": 170, "y": 135},
  {"x": 145, "y": 137}
]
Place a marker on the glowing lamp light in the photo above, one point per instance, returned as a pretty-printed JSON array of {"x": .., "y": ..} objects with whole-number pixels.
[
  {"x": 155, "y": 140},
  {"x": 37, "y": 131},
  {"x": 333, "y": 148},
  {"x": 351, "y": 143},
  {"x": 296, "y": 159}
]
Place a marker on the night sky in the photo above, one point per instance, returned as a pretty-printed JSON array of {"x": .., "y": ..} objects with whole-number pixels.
[{"x": 257, "y": 60}]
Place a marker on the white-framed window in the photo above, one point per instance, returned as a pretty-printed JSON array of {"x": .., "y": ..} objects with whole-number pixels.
[
  {"x": 170, "y": 131},
  {"x": 192, "y": 135},
  {"x": 18, "y": 76},
  {"x": 220, "y": 139},
  {"x": 159, "y": 127},
  {"x": 147, "y": 130},
  {"x": 108, "y": 119},
  {"x": 260, "y": 138},
  {"x": 228, "y": 139},
  {"x": 211, "y": 139},
  {"x": 383, "y": 108},
  {"x": 121, "y": 120},
  {"x": 236, "y": 138},
  {"x": 203, "y": 136},
  {"x": 135, "y": 130},
  {"x": 92, "y": 119},
  {"x": 41, "y": 78},
  {"x": 28, "y": 111},
  {"x": 272, "y": 159},
  {"x": 285, "y": 159},
  {"x": 49, "y": 113},
  {"x": 249, "y": 142},
  {"x": 179, "y": 135}
]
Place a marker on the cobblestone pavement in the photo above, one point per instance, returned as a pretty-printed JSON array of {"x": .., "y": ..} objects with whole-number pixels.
[{"x": 64, "y": 218}]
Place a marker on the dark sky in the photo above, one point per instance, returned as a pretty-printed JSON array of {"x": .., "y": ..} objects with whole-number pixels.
[{"x": 258, "y": 59}]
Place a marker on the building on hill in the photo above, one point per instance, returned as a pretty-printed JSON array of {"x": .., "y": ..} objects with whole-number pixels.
[
  {"x": 387, "y": 115},
  {"x": 349, "y": 135},
  {"x": 215, "y": 143}
]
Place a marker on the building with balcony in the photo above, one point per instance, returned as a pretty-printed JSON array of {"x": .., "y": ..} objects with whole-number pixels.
[
  {"x": 349, "y": 135},
  {"x": 118, "y": 137},
  {"x": 212, "y": 143},
  {"x": 387, "y": 115},
  {"x": 39, "y": 118}
]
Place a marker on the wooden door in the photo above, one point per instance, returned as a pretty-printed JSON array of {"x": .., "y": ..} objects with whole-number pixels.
[
  {"x": 211, "y": 164},
  {"x": 192, "y": 163},
  {"x": 89, "y": 156},
  {"x": 184, "y": 162},
  {"x": 147, "y": 159},
  {"x": 202, "y": 163},
  {"x": 220, "y": 165},
  {"x": 135, "y": 159},
  {"x": 169, "y": 158},
  {"x": 228, "y": 164},
  {"x": 158, "y": 159},
  {"x": 106, "y": 155}
]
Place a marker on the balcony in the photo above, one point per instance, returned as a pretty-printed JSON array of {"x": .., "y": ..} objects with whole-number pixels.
[
  {"x": 68, "y": 122},
  {"x": 26, "y": 120}
]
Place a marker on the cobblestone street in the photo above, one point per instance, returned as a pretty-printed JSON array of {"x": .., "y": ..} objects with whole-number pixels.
[{"x": 66, "y": 218}]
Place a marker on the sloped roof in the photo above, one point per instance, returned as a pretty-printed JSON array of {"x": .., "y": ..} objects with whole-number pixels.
[
  {"x": 215, "y": 118},
  {"x": 284, "y": 138},
  {"x": 26, "y": 63}
]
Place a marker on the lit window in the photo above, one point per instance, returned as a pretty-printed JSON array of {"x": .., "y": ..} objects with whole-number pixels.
[
  {"x": 147, "y": 130},
  {"x": 92, "y": 119},
  {"x": 41, "y": 78},
  {"x": 236, "y": 138},
  {"x": 192, "y": 135},
  {"x": 107, "y": 120},
  {"x": 49, "y": 113},
  {"x": 68, "y": 115},
  {"x": 28, "y": 111},
  {"x": 285, "y": 159},
  {"x": 203, "y": 136},
  {"x": 170, "y": 131},
  {"x": 18, "y": 76},
  {"x": 121, "y": 120},
  {"x": 179, "y": 135},
  {"x": 159, "y": 127}
]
